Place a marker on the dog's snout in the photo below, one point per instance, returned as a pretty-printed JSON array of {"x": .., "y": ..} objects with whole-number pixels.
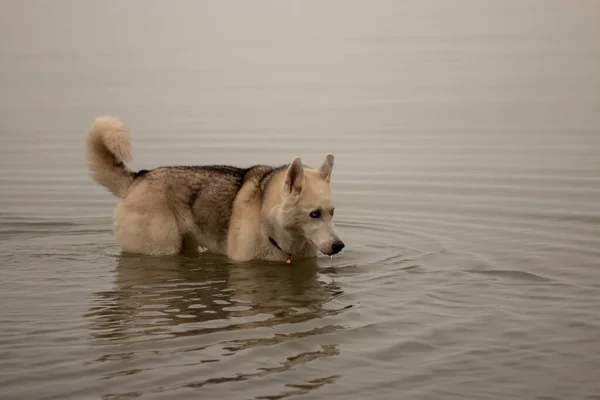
[{"x": 336, "y": 247}]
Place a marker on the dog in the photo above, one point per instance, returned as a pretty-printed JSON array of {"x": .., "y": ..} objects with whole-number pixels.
[{"x": 256, "y": 213}]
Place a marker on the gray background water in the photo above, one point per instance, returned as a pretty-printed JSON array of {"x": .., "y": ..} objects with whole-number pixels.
[{"x": 467, "y": 184}]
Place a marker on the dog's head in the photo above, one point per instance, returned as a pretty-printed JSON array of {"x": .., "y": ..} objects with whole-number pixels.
[{"x": 307, "y": 205}]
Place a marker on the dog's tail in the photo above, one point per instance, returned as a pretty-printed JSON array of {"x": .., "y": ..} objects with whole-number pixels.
[{"x": 108, "y": 149}]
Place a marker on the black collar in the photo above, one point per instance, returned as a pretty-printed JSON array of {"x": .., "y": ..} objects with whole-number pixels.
[{"x": 289, "y": 255}]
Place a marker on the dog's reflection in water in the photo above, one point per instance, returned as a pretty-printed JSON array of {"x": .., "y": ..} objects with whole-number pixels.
[{"x": 192, "y": 295}]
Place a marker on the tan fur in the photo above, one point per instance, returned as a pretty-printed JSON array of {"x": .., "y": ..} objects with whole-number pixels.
[
  {"x": 108, "y": 148},
  {"x": 226, "y": 210}
]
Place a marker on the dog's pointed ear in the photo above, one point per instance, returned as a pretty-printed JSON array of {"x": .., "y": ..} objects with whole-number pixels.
[
  {"x": 294, "y": 177},
  {"x": 327, "y": 167}
]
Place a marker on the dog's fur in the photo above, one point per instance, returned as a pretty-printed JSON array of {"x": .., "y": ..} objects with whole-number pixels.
[{"x": 260, "y": 212}]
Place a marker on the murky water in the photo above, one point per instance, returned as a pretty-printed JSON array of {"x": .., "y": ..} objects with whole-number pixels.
[{"x": 467, "y": 185}]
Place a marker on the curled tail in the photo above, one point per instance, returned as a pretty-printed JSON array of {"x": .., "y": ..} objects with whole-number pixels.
[{"x": 108, "y": 149}]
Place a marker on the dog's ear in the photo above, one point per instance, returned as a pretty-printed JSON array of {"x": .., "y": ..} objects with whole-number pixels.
[
  {"x": 294, "y": 177},
  {"x": 325, "y": 170}
]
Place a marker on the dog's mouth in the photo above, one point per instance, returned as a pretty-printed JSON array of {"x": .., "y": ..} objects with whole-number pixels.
[
  {"x": 334, "y": 249},
  {"x": 325, "y": 253}
]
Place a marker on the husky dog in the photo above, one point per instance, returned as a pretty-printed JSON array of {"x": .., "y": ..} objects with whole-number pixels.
[{"x": 260, "y": 212}]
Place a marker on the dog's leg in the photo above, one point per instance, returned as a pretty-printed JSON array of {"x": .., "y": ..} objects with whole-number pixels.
[{"x": 147, "y": 230}]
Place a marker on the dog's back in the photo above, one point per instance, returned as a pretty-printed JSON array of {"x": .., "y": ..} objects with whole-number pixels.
[{"x": 206, "y": 192}]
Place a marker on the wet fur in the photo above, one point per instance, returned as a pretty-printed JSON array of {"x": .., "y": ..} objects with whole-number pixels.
[{"x": 225, "y": 209}]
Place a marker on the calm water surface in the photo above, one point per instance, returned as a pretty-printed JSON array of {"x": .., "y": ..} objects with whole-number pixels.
[{"x": 467, "y": 185}]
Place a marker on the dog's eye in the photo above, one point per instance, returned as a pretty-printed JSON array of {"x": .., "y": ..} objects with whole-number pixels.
[
  {"x": 315, "y": 214},
  {"x": 332, "y": 210}
]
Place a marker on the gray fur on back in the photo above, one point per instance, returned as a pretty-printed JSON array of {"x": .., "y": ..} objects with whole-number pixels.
[{"x": 209, "y": 191}]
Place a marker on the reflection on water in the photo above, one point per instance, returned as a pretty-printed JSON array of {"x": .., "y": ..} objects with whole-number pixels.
[
  {"x": 179, "y": 296},
  {"x": 155, "y": 298}
]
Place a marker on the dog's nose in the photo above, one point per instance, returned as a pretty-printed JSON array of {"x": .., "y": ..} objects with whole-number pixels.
[{"x": 336, "y": 247}]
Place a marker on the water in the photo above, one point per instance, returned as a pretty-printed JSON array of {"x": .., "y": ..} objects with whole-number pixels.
[{"x": 467, "y": 186}]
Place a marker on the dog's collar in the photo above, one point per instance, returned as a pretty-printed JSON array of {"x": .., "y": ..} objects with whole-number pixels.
[{"x": 289, "y": 255}]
